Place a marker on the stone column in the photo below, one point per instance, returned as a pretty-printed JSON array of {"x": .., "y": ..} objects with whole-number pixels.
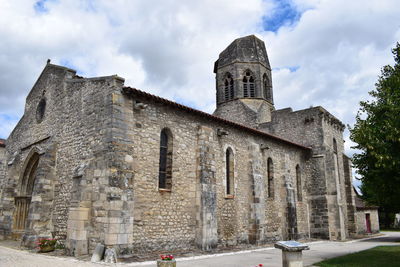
[
  {"x": 78, "y": 220},
  {"x": 292, "y": 255},
  {"x": 118, "y": 185},
  {"x": 291, "y": 201},
  {"x": 206, "y": 234},
  {"x": 257, "y": 215},
  {"x": 350, "y": 200}
]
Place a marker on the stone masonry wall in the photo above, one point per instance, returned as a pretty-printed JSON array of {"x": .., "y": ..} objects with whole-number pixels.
[
  {"x": 97, "y": 178},
  {"x": 166, "y": 220},
  {"x": 3, "y": 166},
  {"x": 249, "y": 112},
  {"x": 361, "y": 225},
  {"x": 32, "y": 135},
  {"x": 316, "y": 128},
  {"x": 350, "y": 195},
  {"x": 335, "y": 177},
  {"x": 72, "y": 139}
]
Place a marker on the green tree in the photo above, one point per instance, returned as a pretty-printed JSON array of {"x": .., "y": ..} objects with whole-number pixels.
[{"x": 377, "y": 134}]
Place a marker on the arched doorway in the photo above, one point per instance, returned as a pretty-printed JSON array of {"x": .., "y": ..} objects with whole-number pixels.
[{"x": 23, "y": 200}]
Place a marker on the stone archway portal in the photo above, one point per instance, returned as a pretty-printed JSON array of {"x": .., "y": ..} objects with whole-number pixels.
[{"x": 23, "y": 201}]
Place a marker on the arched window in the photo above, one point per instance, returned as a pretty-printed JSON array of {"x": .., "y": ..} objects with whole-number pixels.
[
  {"x": 298, "y": 182},
  {"x": 226, "y": 91},
  {"x": 270, "y": 176},
  {"x": 334, "y": 146},
  {"x": 228, "y": 86},
  {"x": 40, "y": 110},
  {"x": 229, "y": 171},
  {"x": 165, "y": 170},
  {"x": 265, "y": 86},
  {"x": 336, "y": 159},
  {"x": 248, "y": 85}
]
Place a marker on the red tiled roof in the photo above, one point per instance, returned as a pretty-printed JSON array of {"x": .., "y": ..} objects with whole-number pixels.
[
  {"x": 130, "y": 90},
  {"x": 2, "y": 142}
]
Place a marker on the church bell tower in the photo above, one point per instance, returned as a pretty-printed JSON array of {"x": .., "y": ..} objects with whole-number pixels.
[{"x": 244, "y": 84}]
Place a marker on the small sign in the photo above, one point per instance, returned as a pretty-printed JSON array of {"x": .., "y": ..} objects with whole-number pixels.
[{"x": 291, "y": 245}]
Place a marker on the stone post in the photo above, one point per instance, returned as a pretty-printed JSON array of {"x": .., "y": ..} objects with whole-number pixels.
[
  {"x": 291, "y": 253},
  {"x": 257, "y": 207},
  {"x": 206, "y": 234}
]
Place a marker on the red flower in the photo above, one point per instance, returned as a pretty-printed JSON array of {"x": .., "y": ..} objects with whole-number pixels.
[{"x": 167, "y": 257}]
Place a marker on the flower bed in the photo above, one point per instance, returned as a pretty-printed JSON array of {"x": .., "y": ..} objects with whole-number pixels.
[
  {"x": 46, "y": 244},
  {"x": 166, "y": 261}
]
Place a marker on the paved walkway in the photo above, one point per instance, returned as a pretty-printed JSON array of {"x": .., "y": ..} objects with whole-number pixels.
[{"x": 269, "y": 257}]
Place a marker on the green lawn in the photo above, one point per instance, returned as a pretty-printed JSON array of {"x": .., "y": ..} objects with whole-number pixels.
[
  {"x": 386, "y": 256},
  {"x": 391, "y": 230}
]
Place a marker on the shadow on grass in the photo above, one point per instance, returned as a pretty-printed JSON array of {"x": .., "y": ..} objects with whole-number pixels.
[{"x": 387, "y": 256}]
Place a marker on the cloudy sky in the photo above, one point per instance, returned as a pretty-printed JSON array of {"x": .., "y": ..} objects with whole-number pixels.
[{"x": 323, "y": 52}]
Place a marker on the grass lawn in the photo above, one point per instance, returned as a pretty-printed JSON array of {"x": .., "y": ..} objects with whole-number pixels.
[
  {"x": 386, "y": 256},
  {"x": 390, "y": 230}
]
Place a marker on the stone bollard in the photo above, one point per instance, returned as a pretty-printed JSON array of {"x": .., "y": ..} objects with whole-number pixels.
[
  {"x": 291, "y": 253},
  {"x": 161, "y": 263},
  {"x": 110, "y": 256},
  {"x": 98, "y": 253}
]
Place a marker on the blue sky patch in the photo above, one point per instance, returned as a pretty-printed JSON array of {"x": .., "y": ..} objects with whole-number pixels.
[
  {"x": 66, "y": 63},
  {"x": 40, "y": 6},
  {"x": 7, "y": 122},
  {"x": 284, "y": 14},
  {"x": 291, "y": 68},
  {"x": 8, "y": 117}
]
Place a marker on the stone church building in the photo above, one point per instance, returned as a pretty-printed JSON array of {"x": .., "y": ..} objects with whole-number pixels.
[{"x": 93, "y": 161}]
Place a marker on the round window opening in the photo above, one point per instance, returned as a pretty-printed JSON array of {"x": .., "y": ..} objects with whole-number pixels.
[{"x": 41, "y": 108}]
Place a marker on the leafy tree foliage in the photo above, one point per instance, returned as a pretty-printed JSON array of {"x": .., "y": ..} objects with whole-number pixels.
[{"x": 377, "y": 134}]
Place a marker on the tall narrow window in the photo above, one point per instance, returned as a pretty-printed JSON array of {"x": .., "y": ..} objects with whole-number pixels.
[
  {"x": 270, "y": 176},
  {"x": 226, "y": 91},
  {"x": 249, "y": 89},
  {"x": 265, "y": 86},
  {"x": 336, "y": 159},
  {"x": 165, "y": 169},
  {"x": 229, "y": 171},
  {"x": 251, "y": 85},
  {"x": 228, "y": 87},
  {"x": 245, "y": 87},
  {"x": 298, "y": 182},
  {"x": 334, "y": 146},
  {"x": 231, "y": 90}
]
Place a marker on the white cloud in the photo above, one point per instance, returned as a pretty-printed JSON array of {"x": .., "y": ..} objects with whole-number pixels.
[
  {"x": 339, "y": 48},
  {"x": 169, "y": 47}
]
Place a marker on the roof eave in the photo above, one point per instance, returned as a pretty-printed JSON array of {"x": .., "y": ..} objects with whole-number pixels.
[{"x": 130, "y": 90}]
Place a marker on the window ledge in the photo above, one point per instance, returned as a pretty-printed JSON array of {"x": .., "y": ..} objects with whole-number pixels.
[
  {"x": 229, "y": 197},
  {"x": 161, "y": 190}
]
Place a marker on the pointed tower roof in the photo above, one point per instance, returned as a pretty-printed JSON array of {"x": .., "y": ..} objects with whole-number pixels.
[{"x": 244, "y": 49}]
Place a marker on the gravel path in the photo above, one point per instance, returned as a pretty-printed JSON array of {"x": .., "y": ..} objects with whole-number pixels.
[{"x": 10, "y": 257}]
